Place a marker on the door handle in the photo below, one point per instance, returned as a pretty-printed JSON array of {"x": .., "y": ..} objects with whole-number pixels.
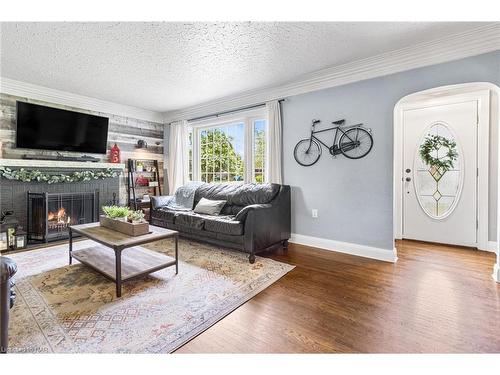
[
  {"x": 408, "y": 179},
  {"x": 408, "y": 170}
]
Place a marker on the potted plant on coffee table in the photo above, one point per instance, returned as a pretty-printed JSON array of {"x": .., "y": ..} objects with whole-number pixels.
[
  {"x": 124, "y": 220},
  {"x": 136, "y": 217},
  {"x": 116, "y": 212}
]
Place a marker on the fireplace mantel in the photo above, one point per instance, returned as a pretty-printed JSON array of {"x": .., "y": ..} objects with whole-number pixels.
[{"x": 25, "y": 163}]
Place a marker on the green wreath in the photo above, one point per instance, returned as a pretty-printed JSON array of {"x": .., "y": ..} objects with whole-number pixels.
[
  {"x": 434, "y": 143},
  {"x": 39, "y": 176}
]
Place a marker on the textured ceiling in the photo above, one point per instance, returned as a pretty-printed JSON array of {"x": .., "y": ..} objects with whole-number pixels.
[{"x": 167, "y": 66}]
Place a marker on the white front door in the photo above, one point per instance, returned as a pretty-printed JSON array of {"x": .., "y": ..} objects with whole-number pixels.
[{"x": 440, "y": 173}]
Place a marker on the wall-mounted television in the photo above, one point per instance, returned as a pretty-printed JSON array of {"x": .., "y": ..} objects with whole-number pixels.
[{"x": 46, "y": 128}]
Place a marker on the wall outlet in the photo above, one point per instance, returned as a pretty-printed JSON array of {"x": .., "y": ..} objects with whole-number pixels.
[{"x": 315, "y": 213}]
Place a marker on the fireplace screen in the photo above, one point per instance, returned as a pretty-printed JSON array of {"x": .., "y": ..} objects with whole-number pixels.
[{"x": 50, "y": 214}]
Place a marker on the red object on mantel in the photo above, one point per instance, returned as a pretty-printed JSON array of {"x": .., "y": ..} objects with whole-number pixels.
[{"x": 114, "y": 154}]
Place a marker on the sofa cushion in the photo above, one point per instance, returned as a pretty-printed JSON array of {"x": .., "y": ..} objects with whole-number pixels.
[
  {"x": 255, "y": 194},
  {"x": 190, "y": 219},
  {"x": 231, "y": 209},
  {"x": 164, "y": 214},
  {"x": 224, "y": 224},
  {"x": 238, "y": 194}
]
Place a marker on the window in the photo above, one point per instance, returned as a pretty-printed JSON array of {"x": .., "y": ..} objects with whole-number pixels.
[
  {"x": 222, "y": 156},
  {"x": 190, "y": 153},
  {"x": 259, "y": 150},
  {"x": 229, "y": 149}
]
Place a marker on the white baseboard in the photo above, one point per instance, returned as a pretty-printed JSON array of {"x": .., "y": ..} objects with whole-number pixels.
[
  {"x": 492, "y": 247},
  {"x": 346, "y": 247},
  {"x": 496, "y": 273}
]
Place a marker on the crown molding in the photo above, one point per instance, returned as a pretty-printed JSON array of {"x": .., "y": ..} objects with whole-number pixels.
[
  {"x": 31, "y": 91},
  {"x": 470, "y": 43}
]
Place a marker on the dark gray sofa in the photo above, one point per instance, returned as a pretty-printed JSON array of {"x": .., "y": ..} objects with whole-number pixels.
[{"x": 256, "y": 217}]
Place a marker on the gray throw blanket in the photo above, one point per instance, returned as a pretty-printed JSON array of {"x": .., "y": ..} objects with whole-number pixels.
[{"x": 183, "y": 199}]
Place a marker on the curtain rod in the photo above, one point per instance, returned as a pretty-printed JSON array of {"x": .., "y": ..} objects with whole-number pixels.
[{"x": 231, "y": 111}]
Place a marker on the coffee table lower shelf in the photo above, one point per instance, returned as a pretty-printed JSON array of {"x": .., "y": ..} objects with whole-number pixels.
[{"x": 135, "y": 261}]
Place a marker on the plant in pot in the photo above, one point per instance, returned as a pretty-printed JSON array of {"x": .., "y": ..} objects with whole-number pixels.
[
  {"x": 136, "y": 217},
  {"x": 116, "y": 212}
]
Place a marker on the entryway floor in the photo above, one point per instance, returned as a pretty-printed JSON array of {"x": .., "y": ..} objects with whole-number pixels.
[{"x": 436, "y": 298}]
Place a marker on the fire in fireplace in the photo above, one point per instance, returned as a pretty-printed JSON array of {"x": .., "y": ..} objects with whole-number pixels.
[
  {"x": 58, "y": 219},
  {"x": 50, "y": 214}
]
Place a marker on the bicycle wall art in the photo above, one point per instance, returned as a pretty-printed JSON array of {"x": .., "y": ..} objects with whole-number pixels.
[{"x": 352, "y": 141}]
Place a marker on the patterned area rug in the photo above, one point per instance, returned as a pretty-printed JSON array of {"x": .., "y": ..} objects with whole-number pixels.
[{"x": 73, "y": 309}]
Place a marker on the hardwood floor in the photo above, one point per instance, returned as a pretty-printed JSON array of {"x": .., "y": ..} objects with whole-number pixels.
[{"x": 436, "y": 298}]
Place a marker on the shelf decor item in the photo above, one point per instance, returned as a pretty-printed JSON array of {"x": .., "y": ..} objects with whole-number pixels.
[
  {"x": 141, "y": 143},
  {"x": 116, "y": 218},
  {"x": 11, "y": 238},
  {"x": 141, "y": 181},
  {"x": 138, "y": 181},
  {"x": 3, "y": 241},
  {"x": 8, "y": 226},
  {"x": 114, "y": 154},
  {"x": 21, "y": 239}
]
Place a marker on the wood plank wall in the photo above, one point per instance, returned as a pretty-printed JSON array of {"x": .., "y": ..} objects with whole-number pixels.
[{"x": 125, "y": 131}]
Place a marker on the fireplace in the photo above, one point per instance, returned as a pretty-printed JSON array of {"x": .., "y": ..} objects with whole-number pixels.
[{"x": 50, "y": 214}]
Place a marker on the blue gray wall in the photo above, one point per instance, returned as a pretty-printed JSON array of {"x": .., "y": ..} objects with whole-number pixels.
[{"x": 354, "y": 197}]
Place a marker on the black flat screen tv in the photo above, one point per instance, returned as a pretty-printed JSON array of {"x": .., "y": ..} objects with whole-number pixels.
[{"x": 46, "y": 128}]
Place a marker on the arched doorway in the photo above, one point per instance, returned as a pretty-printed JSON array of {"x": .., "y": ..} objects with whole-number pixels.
[{"x": 446, "y": 166}]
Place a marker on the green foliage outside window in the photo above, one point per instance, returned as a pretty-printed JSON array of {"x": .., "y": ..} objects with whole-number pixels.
[
  {"x": 219, "y": 160},
  {"x": 259, "y": 158}
]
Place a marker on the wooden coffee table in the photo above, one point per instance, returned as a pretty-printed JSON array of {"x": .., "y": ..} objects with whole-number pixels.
[{"x": 134, "y": 263}]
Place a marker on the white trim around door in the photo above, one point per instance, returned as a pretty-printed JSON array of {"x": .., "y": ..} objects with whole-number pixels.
[{"x": 487, "y": 97}]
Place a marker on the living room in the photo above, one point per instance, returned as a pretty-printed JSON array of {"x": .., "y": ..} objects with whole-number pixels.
[{"x": 174, "y": 187}]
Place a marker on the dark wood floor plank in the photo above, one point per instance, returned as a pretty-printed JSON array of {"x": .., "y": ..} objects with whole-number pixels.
[{"x": 436, "y": 298}]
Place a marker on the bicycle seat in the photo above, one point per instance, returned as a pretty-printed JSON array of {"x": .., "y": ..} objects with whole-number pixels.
[
  {"x": 338, "y": 122},
  {"x": 314, "y": 122}
]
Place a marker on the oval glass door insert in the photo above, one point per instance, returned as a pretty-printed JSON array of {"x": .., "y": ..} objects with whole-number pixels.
[{"x": 438, "y": 171}]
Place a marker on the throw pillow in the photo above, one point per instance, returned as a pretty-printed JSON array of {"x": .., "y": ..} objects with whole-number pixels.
[{"x": 209, "y": 207}]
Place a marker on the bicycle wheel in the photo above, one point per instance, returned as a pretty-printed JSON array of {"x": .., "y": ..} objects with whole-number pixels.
[
  {"x": 307, "y": 152},
  {"x": 356, "y": 143}
]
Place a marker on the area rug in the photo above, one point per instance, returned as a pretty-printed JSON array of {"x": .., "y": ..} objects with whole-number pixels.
[{"x": 73, "y": 309}]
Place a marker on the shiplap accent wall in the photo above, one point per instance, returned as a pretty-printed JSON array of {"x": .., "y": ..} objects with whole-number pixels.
[{"x": 125, "y": 131}]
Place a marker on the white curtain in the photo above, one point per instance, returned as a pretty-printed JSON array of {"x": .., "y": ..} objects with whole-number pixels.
[
  {"x": 275, "y": 142},
  {"x": 178, "y": 172}
]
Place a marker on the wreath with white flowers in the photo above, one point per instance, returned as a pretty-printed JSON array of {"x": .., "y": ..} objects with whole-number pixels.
[{"x": 433, "y": 143}]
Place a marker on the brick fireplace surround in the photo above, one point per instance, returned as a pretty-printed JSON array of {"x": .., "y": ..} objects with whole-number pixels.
[{"x": 13, "y": 194}]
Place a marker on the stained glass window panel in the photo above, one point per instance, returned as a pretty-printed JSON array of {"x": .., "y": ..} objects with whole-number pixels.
[{"x": 438, "y": 184}]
